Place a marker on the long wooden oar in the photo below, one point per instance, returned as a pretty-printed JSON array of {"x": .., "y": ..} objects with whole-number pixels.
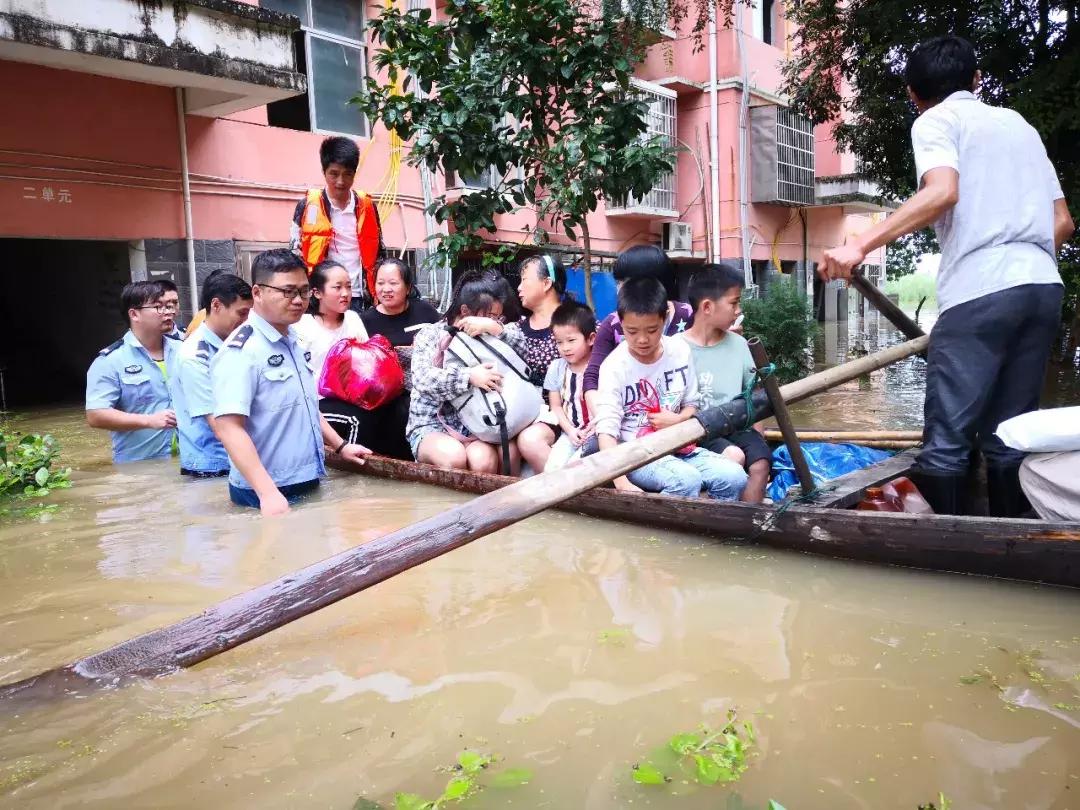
[{"x": 254, "y": 613}]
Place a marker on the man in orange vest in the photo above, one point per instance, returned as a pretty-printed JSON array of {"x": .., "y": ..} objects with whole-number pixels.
[{"x": 339, "y": 223}]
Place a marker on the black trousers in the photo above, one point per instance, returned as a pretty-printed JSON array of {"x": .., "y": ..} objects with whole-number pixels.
[
  {"x": 986, "y": 363},
  {"x": 381, "y": 430}
]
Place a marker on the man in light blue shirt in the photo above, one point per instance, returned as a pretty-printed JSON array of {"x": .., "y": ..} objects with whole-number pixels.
[
  {"x": 266, "y": 410},
  {"x": 127, "y": 390},
  {"x": 989, "y": 190},
  {"x": 226, "y": 299}
]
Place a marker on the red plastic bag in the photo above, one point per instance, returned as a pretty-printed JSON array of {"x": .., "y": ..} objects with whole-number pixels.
[{"x": 366, "y": 373}]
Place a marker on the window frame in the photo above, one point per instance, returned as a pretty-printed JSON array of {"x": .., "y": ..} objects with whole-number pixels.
[{"x": 311, "y": 32}]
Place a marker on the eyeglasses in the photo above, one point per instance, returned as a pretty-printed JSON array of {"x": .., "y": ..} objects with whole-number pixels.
[
  {"x": 162, "y": 309},
  {"x": 290, "y": 292}
]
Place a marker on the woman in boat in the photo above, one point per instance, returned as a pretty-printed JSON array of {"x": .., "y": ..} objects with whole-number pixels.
[
  {"x": 329, "y": 319},
  {"x": 640, "y": 261},
  {"x": 399, "y": 313},
  {"x": 435, "y": 433},
  {"x": 541, "y": 290}
]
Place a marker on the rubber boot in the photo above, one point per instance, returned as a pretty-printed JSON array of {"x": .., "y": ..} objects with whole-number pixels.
[
  {"x": 1004, "y": 494},
  {"x": 946, "y": 493}
]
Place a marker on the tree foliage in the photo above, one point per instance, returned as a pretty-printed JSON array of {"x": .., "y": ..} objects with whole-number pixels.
[{"x": 1029, "y": 55}]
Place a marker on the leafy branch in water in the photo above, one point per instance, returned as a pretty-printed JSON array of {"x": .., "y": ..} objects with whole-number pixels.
[
  {"x": 26, "y": 465},
  {"x": 464, "y": 783},
  {"x": 706, "y": 756},
  {"x": 942, "y": 804}
]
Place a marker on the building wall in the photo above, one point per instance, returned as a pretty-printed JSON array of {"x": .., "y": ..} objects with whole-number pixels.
[{"x": 112, "y": 147}]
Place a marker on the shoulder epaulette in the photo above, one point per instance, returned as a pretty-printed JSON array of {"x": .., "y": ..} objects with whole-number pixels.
[
  {"x": 202, "y": 350},
  {"x": 241, "y": 337},
  {"x": 112, "y": 347},
  {"x": 173, "y": 336}
]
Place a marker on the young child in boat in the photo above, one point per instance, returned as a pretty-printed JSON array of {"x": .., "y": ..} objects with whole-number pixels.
[
  {"x": 724, "y": 366},
  {"x": 648, "y": 383},
  {"x": 574, "y": 329}
]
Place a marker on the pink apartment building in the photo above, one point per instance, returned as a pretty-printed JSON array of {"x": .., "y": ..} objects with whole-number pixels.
[{"x": 168, "y": 138}]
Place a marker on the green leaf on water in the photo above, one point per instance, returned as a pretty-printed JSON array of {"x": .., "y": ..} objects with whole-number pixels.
[
  {"x": 685, "y": 743},
  {"x": 472, "y": 762},
  {"x": 512, "y": 777},
  {"x": 968, "y": 680},
  {"x": 707, "y": 771},
  {"x": 646, "y": 773},
  {"x": 366, "y": 804},
  {"x": 410, "y": 801},
  {"x": 775, "y": 805},
  {"x": 457, "y": 788},
  {"x": 41, "y": 476}
]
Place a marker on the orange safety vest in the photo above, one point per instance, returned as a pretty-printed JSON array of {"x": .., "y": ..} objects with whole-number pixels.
[{"x": 316, "y": 231}]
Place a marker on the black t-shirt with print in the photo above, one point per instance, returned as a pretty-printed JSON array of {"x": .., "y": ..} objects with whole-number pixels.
[
  {"x": 393, "y": 326},
  {"x": 540, "y": 350}
]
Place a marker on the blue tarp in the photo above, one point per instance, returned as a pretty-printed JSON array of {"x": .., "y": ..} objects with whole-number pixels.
[
  {"x": 826, "y": 461},
  {"x": 603, "y": 290}
]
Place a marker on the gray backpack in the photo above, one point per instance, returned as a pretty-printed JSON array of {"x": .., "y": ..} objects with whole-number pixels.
[{"x": 494, "y": 417}]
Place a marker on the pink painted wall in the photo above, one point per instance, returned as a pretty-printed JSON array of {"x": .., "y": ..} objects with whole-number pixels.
[{"x": 121, "y": 166}]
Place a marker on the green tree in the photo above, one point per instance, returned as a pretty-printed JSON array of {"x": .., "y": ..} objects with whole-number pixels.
[
  {"x": 538, "y": 90},
  {"x": 1029, "y": 54}
]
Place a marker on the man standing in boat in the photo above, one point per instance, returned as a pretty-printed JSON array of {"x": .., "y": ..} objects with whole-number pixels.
[
  {"x": 993, "y": 197},
  {"x": 339, "y": 223}
]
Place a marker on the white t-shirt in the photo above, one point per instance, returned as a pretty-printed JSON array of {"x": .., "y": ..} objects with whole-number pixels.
[
  {"x": 1000, "y": 233},
  {"x": 629, "y": 390},
  {"x": 317, "y": 339},
  {"x": 345, "y": 244}
]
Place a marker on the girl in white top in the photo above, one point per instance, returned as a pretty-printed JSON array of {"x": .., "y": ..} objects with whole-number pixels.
[{"x": 329, "y": 318}]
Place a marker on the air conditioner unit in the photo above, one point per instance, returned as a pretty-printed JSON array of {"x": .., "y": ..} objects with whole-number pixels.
[
  {"x": 678, "y": 237},
  {"x": 781, "y": 156}
]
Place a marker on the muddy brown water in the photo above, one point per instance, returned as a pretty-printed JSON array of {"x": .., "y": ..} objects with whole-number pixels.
[{"x": 569, "y": 646}]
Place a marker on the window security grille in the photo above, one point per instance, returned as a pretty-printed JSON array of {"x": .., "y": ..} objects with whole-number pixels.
[{"x": 782, "y": 156}]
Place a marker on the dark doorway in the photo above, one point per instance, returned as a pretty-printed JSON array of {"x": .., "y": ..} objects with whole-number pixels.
[{"x": 59, "y": 308}]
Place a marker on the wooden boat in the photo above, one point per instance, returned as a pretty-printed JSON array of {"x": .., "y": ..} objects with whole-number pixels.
[{"x": 1031, "y": 550}]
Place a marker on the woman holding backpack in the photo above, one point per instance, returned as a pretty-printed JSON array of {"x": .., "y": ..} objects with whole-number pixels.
[{"x": 435, "y": 431}]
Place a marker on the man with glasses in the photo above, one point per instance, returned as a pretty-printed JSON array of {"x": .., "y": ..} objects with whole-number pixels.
[
  {"x": 127, "y": 390},
  {"x": 266, "y": 410}
]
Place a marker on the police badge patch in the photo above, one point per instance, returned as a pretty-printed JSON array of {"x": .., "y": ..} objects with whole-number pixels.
[
  {"x": 275, "y": 360},
  {"x": 132, "y": 369},
  {"x": 307, "y": 357}
]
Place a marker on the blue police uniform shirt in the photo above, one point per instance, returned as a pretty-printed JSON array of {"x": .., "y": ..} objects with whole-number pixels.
[
  {"x": 263, "y": 375},
  {"x": 124, "y": 376},
  {"x": 193, "y": 401}
]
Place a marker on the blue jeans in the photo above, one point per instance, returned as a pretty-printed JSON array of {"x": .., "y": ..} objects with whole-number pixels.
[
  {"x": 292, "y": 493},
  {"x": 686, "y": 475}
]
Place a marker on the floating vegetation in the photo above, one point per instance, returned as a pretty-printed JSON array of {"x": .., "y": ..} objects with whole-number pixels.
[
  {"x": 616, "y": 637},
  {"x": 942, "y": 804},
  {"x": 465, "y": 782},
  {"x": 1025, "y": 667},
  {"x": 707, "y": 756}
]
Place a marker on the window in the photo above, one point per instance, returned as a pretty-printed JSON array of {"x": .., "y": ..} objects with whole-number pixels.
[
  {"x": 330, "y": 51},
  {"x": 661, "y": 119},
  {"x": 762, "y": 15}
]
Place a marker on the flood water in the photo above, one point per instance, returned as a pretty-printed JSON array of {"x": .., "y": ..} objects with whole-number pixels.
[
  {"x": 567, "y": 646},
  {"x": 570, "y": 647}
]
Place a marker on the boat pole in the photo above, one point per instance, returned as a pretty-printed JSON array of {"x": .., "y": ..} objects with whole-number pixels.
[
  {"x": 883, "y": 304},
  {"x": 248, "y": 615},
  {"x": 780, "y": 413}
]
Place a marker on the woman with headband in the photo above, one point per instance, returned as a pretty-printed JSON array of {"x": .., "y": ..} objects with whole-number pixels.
[{"x": 542, "y": 287}]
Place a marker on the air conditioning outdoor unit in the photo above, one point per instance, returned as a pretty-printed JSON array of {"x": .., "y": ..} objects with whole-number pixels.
[
  {"x": 678, "y": 237},
  {"x": 781, "y": 156}
]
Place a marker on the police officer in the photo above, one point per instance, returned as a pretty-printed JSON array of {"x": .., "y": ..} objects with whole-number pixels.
[
  {"x": 127, "y": 389},
  {"x": 266, "y": 410},
  {"x": 227, "y": 300}
]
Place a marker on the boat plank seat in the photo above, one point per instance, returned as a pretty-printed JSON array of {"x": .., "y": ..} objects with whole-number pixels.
[{"x": 849, "y": 489}]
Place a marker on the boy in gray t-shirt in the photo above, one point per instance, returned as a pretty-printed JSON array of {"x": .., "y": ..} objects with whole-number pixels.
[{"x": 987, "y": 187}]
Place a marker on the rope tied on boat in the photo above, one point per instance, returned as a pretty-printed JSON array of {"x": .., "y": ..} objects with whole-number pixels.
[
  {"x": 804, "y": 497},
  {"x": 748, "y": 392}
]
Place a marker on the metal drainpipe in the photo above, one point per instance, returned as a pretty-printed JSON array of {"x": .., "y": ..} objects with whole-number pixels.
[
  {"x": 744, "y": 114},
  {"x": 714, "y": 140},
  {"x": 186, "y": 181}
]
